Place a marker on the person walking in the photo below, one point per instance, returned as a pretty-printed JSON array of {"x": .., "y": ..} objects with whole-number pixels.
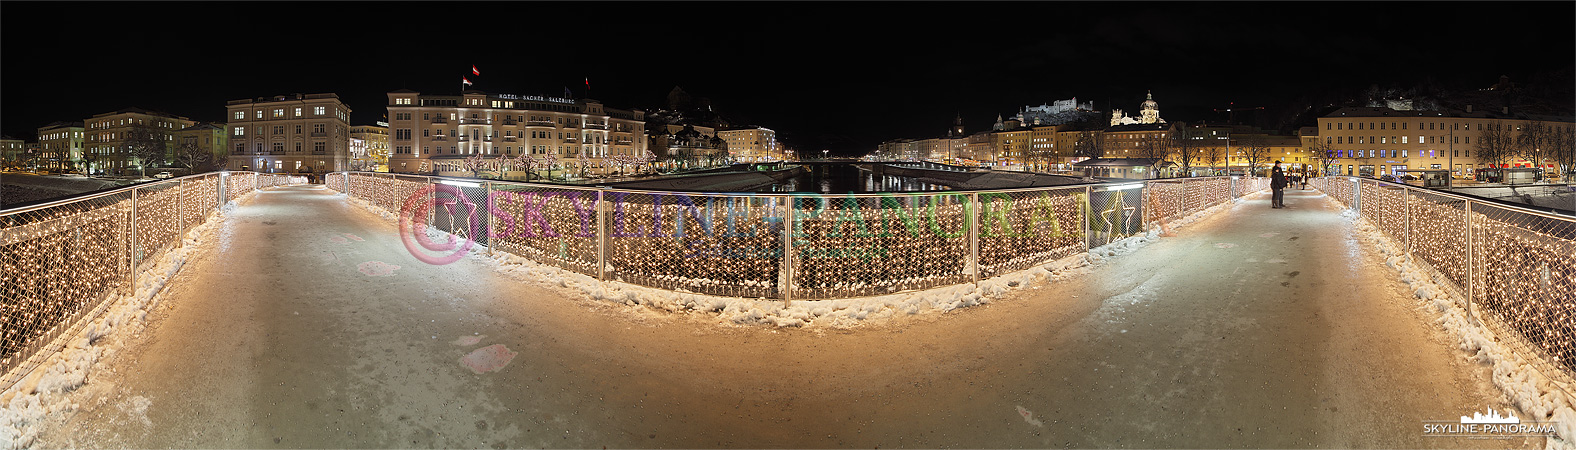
[{"x": 1277, "y": 186}]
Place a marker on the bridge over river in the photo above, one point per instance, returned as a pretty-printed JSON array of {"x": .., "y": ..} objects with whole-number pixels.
[{"x": 300, "y": 318}]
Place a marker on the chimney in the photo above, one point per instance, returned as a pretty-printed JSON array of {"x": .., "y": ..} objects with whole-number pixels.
[
  {"x": 1505, "y": 110},
  {"x": 1469, "y": 108}
]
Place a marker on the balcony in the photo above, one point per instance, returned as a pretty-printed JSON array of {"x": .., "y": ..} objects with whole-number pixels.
[
  {"x": 475, "y": 121},
  {"x": 509, "y": 138},
  {"x": 571, "y": 140},
  {"x": 539, "y": 123},
  {"x": 510, "y": 122},
  {"x": 596, "y": 126}
]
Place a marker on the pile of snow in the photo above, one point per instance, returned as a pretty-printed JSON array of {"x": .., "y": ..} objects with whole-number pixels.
[
  {"x": 1529, "y": 390},
  {"x": 47, "y": 390}
]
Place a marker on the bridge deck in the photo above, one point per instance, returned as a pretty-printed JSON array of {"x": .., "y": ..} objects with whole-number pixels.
[{"x": 1253, "y": 328}]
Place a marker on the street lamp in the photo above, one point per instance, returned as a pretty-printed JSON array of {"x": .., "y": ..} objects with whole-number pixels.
[{"x": 824, "y": 154}]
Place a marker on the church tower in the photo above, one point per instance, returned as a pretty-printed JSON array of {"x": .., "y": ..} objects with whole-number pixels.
[
  {"x": 999, "y": 125},
  {"x": 1151, "y": 110},
  {"x": 957, "y": 128}
]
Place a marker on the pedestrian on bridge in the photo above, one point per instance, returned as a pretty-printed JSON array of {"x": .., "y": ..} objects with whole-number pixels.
[{"x": 1277, "y": 186}]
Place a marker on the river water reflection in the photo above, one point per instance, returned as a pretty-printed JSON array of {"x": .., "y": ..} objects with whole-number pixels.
[{"x": 846, "y": 178}]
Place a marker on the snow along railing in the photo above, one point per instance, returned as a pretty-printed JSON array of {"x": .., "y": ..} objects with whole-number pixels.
[
  {"x": 1513, "y": 268},
  {"x": 781, "y": 246},
  {"x": 60, "y": 261}
]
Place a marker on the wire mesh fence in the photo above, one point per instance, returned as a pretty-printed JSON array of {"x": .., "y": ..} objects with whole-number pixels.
[
  {"x": 1514, "y": 268},
  {"x": 852, "y": 246},
  {"x": 60, "y": 261},
  {"x": 1020, "y": 229},
  {"x": 1524, "y": 282},
  {"x": 787, "y": 246}
]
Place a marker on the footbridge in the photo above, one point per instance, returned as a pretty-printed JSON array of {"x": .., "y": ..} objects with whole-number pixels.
[{"x": 251, "y": 310}]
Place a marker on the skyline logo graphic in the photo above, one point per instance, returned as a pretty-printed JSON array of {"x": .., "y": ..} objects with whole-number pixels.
[{"x": 1492, "y": 417}]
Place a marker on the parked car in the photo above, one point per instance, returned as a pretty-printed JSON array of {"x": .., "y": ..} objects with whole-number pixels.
[
  {"x": 162, "y": 175},
  {"x": 1387, "y": 177}
]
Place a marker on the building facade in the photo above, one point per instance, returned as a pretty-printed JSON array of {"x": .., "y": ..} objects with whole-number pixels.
[
  {"x": 299, "y": 133},
  {"x": 426, "y": 131},
  {"x": 108, "y": 133},
  {"x": 752, "y": 144},
  {"x": 60, "y": 146},
  {"x": 210, "y": 139},
  {"x": 374, "y": 151},
  {"x": 1375, "y": 141},
  {"x": 14, "y": 152}
]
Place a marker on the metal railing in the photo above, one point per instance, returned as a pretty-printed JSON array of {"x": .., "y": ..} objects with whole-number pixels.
[
  {"x": 1512, "y": 268},
  {"x": 60, "y": 261},
  {"x": 780, "y": 246}
]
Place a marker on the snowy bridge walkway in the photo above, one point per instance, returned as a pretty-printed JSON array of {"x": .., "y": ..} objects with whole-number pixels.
[{"x": 1251, "y": 328}]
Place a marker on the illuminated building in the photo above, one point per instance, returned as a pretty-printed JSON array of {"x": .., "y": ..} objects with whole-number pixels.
[
  {"x": 428, "y": 131},
  {"x": 107, "y": 133},
  {"x": 298, "y": 133},
  {"x": 375, "y": 146},
  {"x": 60, "y": 145},
  {"x": 752, "y": 144},
  {"x": 1374, "y": 141}
]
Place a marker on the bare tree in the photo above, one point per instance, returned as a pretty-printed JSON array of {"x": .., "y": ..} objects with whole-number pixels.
[
  {"x": 474, "y": 164},
  {"x": 146, "y": 144},
  {"x": 1323, "y": 154},
  {"x": 1257, "y": 151},
  {"x": 1532, "y": 143},
  {"x": 1185, "y": 148},
  {"x": 1496, "y": 143},
  {"x": 190, "y": 155},
  {"x": 1211, "y": 154},
  {"x": 1562, "y": 142}
]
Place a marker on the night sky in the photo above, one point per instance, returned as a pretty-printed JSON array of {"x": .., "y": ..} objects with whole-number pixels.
[{"x": 825, "y": 75}]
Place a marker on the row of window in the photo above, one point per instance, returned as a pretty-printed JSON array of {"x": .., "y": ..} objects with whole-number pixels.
[
  {"x": 1393, "y": 153},
  {"x": 279, "y": 130},
  {"x": 1431, "y": 126},
  {"x": 279, "y": 147},
  {"x": 1394, "y": 140},
  {"x": 279, "y": 113}
]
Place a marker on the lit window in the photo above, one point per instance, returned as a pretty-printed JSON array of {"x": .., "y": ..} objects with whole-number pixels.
[
  {"x": 319, "y": 110},
  {"x": 240, "y": 115},
  {"x": 240, "y": 131},
  {"x": 279, "y": 112}
]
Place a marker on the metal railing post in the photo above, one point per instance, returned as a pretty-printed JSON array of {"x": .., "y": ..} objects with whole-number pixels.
[
  {"x": 180, "y": 213},
  {"x": 223, "y": 194},
  {"x": 1470, "y": 259},
  {"x": 1088, "y": 204},
  {"x": 787, "y": 262},
  {"x": 131, "y": 248},
  {"x": 601, "y": 234},
  {"x": 973, "y": 212},
  {"x": 1406, "y": 210},
  {"x": 490, "y": 233}
]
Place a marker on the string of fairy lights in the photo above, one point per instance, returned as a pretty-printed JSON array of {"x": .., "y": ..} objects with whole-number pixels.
[
  {"x": 1522, "y": 264},
  {"x": 60, "y": 261}
]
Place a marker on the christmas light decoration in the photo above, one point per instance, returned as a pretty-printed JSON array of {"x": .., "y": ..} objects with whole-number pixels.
[{"x": 60, "y": 261}]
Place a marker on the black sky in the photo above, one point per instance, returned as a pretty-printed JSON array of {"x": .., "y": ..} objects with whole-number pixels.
[{"x": 836, "y": 75}]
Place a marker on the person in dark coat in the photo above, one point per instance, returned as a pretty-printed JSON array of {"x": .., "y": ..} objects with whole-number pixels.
[{"x": 1277, "y": 186}]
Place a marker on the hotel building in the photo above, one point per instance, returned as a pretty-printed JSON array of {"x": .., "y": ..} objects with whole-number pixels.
[{"x": 427, "y": 131}]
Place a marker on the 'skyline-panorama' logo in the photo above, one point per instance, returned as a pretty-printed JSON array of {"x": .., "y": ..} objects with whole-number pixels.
[{"x": 1488, "y": 426}]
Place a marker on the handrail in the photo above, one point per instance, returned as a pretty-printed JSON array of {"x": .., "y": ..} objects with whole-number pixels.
[{"x": 109, "y": 243}]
